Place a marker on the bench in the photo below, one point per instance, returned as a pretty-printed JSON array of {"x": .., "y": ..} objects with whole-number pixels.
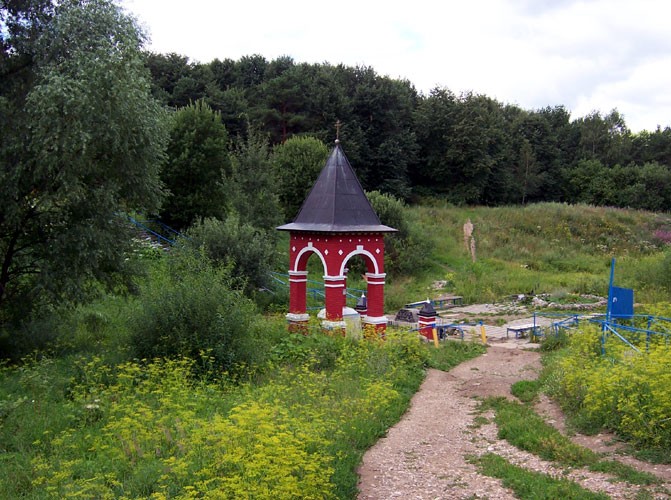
[
  {"x": 520, "y": 330},
  {"x": 446, "y": 301},
  {"x": 442, "y": 302}
]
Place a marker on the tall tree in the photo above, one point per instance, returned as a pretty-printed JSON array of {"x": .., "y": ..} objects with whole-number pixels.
[
  {"x": 538, "y": 156},
  {"x": 563, "y": 147},
  {"x": 605, "y": 138},
  {"x": 251, "y": 71},
  {"x": 283, "y": 107},
  {"x": 528, "y": 171},
  {"x": 82, "y": 139},
  {"x": 166, "y": 71},
  {"x": 382, "y": 112},
  {"x": 435, "y": 118},
  {"x": 254, "y": 187},
  {"x": 297, "y": 164},
  {"x": 197, "y": 166},
  {"x": 466, "y": 148},
  {"x": 652, "y": 146}
]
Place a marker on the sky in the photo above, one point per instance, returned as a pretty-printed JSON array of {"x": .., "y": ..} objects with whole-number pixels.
[{"x": 589, "y": 55}]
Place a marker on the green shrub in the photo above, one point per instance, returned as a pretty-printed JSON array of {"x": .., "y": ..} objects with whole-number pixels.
[
  {"x": 552, "y": 341},
  {"x": 151, "y": 429},
  {"x": 23, "y": 338},
  {"x": 248, "y": 251},
  {"x": 406, "y": 250},
  {"x": 192, "y": 308},
  {"x": 319, "y": 351}
]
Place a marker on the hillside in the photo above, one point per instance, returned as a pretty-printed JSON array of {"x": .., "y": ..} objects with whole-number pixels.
[{"x": 545, "y": 248}]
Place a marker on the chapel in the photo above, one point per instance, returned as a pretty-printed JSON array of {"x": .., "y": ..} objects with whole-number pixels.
[{"x": 336, "y": 222}]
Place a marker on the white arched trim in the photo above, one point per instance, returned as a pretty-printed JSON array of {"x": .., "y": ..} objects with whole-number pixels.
[
  {"x": 359, "y": 251},
  {"x": 306, "y": 249}
]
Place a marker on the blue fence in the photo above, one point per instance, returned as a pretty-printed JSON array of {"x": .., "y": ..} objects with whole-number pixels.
[
  {"x": 158, "y": 230},
  {"x": 627, "y": 329},
  {"x": 315, "y": 290}
]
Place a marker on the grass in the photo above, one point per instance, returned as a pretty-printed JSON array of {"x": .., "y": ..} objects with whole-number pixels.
[
  {"x": 524, "y": 429},
  {"x": 545, "y": 248},
  {"x": 451, "y": 353},
  {"x": 529, "y": 484},
  {"x": 526, "y": 390},
  {"x": 655, "y": 456}
]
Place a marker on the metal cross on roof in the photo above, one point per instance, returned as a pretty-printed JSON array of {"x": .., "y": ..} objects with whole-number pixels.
[{"x": 338, "y": 125}]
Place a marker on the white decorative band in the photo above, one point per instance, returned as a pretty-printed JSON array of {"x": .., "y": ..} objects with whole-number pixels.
[
  {"x": 376, "y": 282},
  {"x": 379, "y": 320},
  {"x": 375, "y": 276},
  {"x": 298, "y": 273},
  {"x": 334, "y": 285},
  {"x": 298, "y": 280},
  {"x": 334, "y": 278},
  {"x": 297, "y": 317}
]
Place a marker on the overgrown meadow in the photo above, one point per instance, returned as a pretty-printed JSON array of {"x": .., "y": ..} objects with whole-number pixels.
[
  {"x": 225, "y": 404},
  {"x": 186, "y": 389},
  {"x": 550, "y": 248}
]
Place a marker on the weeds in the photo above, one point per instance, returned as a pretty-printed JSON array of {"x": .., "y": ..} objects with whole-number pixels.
[
  {"x": 626, "y": 391},
  {"x": 297, "y": 426}
]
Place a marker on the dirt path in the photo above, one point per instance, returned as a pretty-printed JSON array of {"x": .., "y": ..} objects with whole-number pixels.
[{"x": 424, "y": 455}]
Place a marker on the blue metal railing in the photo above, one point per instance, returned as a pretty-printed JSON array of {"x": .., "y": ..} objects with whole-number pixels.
[
  {"x": 169, "y": 237},
  {"x": 615, "y": 327},
  {"x": 316, "y": 289}
]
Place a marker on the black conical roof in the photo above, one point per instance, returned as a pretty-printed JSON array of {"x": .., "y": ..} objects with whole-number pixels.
[{"x": 337, "y": 202}]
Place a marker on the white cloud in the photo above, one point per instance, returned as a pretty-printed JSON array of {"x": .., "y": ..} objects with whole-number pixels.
[{"x": 586, "y": 55}]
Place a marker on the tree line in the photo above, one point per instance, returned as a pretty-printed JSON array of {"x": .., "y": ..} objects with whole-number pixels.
[
  {"x": 468, "y": 148},
  {"x": 84, "y": 144},
  {"x": 93, "y": 128}
]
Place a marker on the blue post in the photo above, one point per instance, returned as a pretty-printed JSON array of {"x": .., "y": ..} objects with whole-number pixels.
[{"x": 609, "y": 307}]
